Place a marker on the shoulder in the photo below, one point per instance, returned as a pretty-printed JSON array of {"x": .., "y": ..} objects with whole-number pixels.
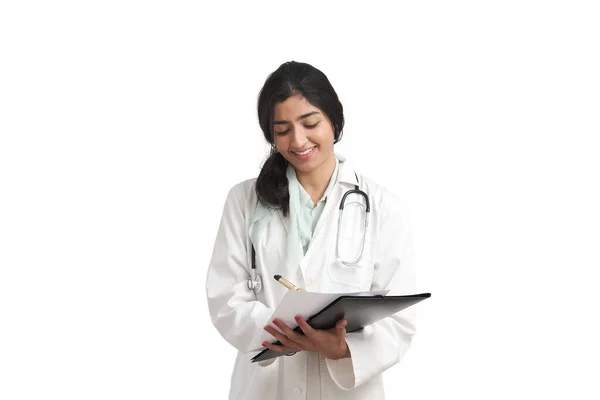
[
  {"x": 386, "y": 205},
  {"x": 241, "y": 198},
  {"x": 244, "y": 189},
  {"x": 382, "y": 200},
  {"x": 378, "y": 192}
]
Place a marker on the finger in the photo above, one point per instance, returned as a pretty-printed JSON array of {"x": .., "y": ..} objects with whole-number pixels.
[
  {"x": 340, "y": 328},
  {"x": 306, "y": 328},
  {"x": 294, "y": 336},
  {"x": 280, "y": 348},
  {"x": 280, "y": 336}
]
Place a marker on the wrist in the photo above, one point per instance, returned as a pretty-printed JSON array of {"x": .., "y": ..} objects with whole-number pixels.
[{"x": 344, "y": 352}]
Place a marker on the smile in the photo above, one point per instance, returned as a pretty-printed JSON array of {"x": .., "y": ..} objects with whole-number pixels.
[{"x": 305, "y": 152}]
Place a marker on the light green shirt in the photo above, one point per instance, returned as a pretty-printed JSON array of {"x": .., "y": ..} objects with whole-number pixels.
[{"x": 307, "y": 213}]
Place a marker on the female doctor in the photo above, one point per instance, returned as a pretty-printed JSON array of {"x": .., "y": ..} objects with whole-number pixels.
[{"x": 287, "y": 222}]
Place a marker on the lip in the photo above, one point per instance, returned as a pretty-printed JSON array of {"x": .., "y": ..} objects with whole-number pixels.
[
  {"x": 302, "y": 150},
  {"x": 306, "y": 156}
]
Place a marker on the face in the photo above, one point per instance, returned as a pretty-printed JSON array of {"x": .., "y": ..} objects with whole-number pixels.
[{"x": 302, "y": 133}]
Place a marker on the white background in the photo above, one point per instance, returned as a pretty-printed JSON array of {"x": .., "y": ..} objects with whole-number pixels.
[{"x": 123, "y": 125}]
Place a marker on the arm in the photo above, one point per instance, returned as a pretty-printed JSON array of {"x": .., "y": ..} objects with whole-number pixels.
[
  {"x": 379, "y": 346},
  {"x": 234, "y": 310}
]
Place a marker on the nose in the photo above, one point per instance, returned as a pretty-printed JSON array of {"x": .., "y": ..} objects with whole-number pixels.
[{"x": 298, "y": 138}]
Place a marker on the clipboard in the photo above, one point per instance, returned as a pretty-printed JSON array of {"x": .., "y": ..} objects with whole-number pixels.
[{"x": 359, "y": 311}]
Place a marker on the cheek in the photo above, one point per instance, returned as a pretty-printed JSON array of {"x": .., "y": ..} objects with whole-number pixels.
[
  {"x": 282, "y": 145},
  {"x": 325, "y": 138},
  {"x": 278, "y": 141}
]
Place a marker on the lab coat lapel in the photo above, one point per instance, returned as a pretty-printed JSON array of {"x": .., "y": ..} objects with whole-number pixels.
[
  {"x": 346, "y": 180},
  {"x": 285, "y": 221}
]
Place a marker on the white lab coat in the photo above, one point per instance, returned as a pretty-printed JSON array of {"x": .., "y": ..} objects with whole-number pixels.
[{"x": 239, "y": 313}]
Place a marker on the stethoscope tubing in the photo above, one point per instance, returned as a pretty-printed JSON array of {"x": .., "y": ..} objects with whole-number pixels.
[{"x": 254, "y": 282}]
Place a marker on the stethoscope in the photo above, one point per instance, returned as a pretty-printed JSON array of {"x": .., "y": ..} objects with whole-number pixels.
[{"x": 254, "y": 282}]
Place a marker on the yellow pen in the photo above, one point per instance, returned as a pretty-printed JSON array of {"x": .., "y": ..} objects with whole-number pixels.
[{"x": 285, "y": 282}]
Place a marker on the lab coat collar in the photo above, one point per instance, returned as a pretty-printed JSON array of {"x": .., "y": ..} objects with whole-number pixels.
[
  {"x": 346, "y": 180},
  {"x": 346, "y": 172},
  {"x": 345, "y": 176}
]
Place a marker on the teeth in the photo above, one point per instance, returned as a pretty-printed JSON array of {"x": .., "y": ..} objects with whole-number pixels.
[{"x": 304, "y": 152}]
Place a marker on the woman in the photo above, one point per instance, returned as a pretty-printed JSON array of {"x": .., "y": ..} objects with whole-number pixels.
[{"x": 286, "y": 220}]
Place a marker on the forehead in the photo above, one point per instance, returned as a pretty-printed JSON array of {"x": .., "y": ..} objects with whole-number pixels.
[{"x": 292, "y": 108}]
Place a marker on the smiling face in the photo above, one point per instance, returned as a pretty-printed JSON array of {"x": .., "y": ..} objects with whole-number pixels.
[{"x": 303, "y": 134}]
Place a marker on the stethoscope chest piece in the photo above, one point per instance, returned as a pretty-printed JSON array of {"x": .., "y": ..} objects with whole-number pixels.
[{"x": 254, "y": 283}]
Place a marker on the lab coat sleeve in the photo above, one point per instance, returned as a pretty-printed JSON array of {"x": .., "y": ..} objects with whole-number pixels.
[
  {"x": 234, "y": 309},
  {"x": 381, "y": 345}
]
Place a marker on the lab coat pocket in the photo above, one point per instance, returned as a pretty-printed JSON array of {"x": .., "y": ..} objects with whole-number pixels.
[
  {"x": 351, "y": 274},
  {"x": 357, "y": 276},
  {"x": 351, "y": 263}
]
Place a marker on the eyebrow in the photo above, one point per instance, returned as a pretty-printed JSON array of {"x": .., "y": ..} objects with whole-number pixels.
[{"x": 297, "y": 119}]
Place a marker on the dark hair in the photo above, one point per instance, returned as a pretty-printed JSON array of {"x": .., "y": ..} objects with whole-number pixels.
[{"x": 291, "y": 78}]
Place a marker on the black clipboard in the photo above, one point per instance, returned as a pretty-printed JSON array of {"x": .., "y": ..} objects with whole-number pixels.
[{"x": 359, "y": 311}]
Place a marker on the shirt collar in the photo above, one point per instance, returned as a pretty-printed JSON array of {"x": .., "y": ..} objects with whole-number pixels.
[{"x": 305, "y": 199}]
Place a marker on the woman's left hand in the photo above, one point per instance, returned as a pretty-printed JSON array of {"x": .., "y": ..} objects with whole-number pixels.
[{"x": 331, "y": 343}]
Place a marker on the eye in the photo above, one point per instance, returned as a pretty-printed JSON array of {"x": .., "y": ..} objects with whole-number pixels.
[
  {"x": 312, "y": 126},
  {"x": 281, "y": 133}
]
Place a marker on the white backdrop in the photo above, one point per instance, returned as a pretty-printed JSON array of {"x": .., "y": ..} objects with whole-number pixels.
[{"x": 124, "y": 123}]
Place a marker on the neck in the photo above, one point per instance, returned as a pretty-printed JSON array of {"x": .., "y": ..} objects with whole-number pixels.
[{"x": 315, "y": 182}]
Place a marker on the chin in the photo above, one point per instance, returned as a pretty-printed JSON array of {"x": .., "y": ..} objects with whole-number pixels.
[{"x": 304, "y": 167}]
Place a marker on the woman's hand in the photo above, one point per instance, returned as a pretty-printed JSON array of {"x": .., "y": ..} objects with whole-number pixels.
[{"x": 331, "y": 343}]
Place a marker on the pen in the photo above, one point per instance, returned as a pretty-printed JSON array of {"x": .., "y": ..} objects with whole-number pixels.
[{"x": 285, "y": 282}]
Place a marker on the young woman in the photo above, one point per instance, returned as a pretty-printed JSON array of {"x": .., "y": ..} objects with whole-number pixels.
[{"x": 287, "y": 222}]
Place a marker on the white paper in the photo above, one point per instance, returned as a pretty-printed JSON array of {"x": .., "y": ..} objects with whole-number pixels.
[{"x": 305, "y": 304}]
